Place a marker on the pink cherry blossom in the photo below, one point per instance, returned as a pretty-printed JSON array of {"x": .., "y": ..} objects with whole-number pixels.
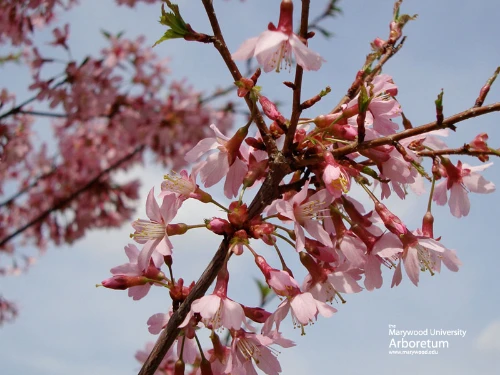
[
  {"x": 218, "y": 165},
  {"x": 190, "y": 353},
  {"x": 304, "y": 309},
  {"x": 303, "y": 211},
  {"x": 459, "y": 180},
  {"x": 153, "y": 233},
  {"x": 334, "y": 282},
  {"x": 247, "y": 346},
  {"x": 382, "y": 108},
  {"x": 385, "y": 252},
  {"x": 217, "y": 310},
  {"x": 278, "y": 43},
  {"x": 336, "y": 178},
  {"x": 419, "y": 253},
  {"x": 132, "y": 269}
]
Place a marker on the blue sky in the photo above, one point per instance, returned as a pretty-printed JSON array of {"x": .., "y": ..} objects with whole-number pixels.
[{"x": 66, "y": 325}]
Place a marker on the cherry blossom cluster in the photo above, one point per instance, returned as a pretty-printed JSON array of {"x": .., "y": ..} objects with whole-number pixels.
[
  {"x": 8, "y": 311},
  {"x": 106, "y": 112},
  {"x": 305, "y": 170}
]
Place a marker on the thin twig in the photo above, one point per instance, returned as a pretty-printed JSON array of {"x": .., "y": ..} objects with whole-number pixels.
[
  {"x": 297, "y": 87},
  {"x": 28, "y": 187},
  {"x": 220, "y": 45},
  {"x": 464, "y": 150},
  {"x": 390, "y": 139}
]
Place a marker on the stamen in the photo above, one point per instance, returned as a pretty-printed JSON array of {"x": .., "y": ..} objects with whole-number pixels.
[
  {"x": 147, "y": 230},
  {"x": 178, "y": 185}
]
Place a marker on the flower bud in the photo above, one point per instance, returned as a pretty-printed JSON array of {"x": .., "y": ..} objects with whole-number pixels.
[
  {"x": 179, "y": 367},
  {"x": 270, "y": 109},
  {"x": 122, "y": 282},
  {"x": 220, "y": 226},
  {"x": 391, "y": 221},
  {"x": 256, "y": 314}
]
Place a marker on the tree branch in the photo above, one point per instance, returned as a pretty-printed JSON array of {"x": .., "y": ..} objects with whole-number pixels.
[
  {"x": 447, "y": 123},
  {"x": 221, "y": 46},
  {"x": 297, "y": 87},
  {"x": 72, "y": 196},
  {"x": 171, "y": 331}
]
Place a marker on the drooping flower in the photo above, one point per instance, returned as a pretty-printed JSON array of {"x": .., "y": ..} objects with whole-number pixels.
[
  {"x": 248, "y": 346},
  {"x": 216, "y": 309},
  {"x": 303, "y": 306},
  {"x": 278, "y": 43},
  {"x": 419, "y": 253},
  {"x": 225, "y": 163},
  {"x": 336, "y": 178},
  {"x": 184, "y": 186},
  {"x": 302, "y": 211},
  {"x": 459, "y": 181},
  {"x": 186, "y": 343}
]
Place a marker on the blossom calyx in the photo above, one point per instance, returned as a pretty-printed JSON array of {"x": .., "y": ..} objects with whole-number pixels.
[
  {"x": 317, "y": 273},
  {"x": 285, "y": 23},
  {"x": 179, "y": 292},
  {"x": 428, "y": 225},
  {"x": 176, "y": 229},
  {"x": 238, "y": 214}
]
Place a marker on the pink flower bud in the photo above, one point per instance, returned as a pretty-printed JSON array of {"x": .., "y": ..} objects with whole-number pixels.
[
  {"x": 324, "y": 121},
  {"x": 480, "y": 142},
  {"x": 256, "y": 314},
  {"x": 220, "y": 226},
  {"x": 122, "y": 282},
  {"x": 378, "y": 44},
  {"x": 391, "y": 221},
  {"x": 270, "y": 109}
]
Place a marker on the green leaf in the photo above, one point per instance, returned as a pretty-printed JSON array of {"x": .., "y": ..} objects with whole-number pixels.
[
  {"x": 439, "y": 101},
  {"x": 178, "y": 28}
]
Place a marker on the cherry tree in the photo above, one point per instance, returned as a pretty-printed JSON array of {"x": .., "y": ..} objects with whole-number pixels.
[{"x": 310, "y": 186}]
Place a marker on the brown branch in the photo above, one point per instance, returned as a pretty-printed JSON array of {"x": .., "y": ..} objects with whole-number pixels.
[
  {"x": 446, "y": 123},
  {"x": 278, "y": 168},
  {"x": 28, "y": 187},
  {"x": 464, "y": 150},
  {"x": 69, "y": 198},
  {"x": 390, "y": 51},
  {"x": 220, "y": 45},
  {"x": 17, "y": 109},
  {"x": 171, "y": 331},
  {"x": 297, "y": 88},
  {"x": 422, "y": 129},
  {"x": 43, "y": 114}
]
